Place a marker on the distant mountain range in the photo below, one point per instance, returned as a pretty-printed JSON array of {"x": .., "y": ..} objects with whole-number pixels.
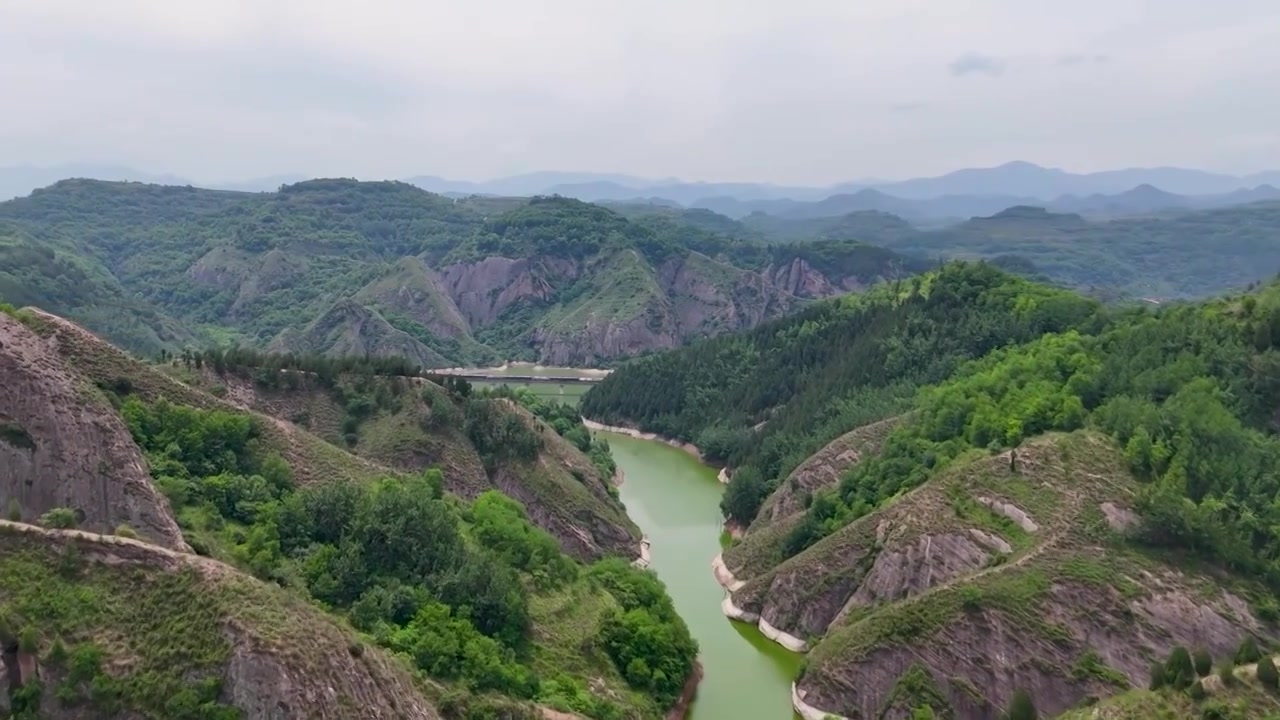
[
  {"x": 948, "y": 209},
  {"x": 952, "y": 197},
  {"x": 20, "y": 180}
]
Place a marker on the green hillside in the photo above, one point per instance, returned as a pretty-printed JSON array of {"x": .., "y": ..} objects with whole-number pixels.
[
  {"x": 476, "y": 537},
  {"x": 342, "y": 267},
  {"x": 1065, "y": 477}
]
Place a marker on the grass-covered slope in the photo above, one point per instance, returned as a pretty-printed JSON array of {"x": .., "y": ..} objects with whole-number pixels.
[
  {"x": 112, "y": 627},
  {"x": 1005, "y": 573}
]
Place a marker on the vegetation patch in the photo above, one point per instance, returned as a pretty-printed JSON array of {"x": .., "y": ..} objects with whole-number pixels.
[{"x": 16, "y": 436}]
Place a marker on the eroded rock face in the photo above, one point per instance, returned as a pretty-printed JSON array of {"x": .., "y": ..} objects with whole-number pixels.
[
  {"x": 914, "y": 567},
  {"x": 598, "y": 341},
  {"x": 979, "y": 658},
  {"x": 483, "y": 290},
  {"x": 823, "y": 469},
  {"x": 800, "y": 279},
  {"x": 262, "y": 687},
  {"x": 61, "y": 445},
  {"x": 703, "y": 305}
]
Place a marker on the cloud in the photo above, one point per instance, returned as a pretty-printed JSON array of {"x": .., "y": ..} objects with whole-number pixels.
[
  {"x": 807, "y": 91},
  {"x": 970, "y": 63},
  {"x": 1082, "y": 58}
]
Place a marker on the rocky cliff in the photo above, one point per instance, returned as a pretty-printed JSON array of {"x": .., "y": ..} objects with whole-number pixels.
[
  {"x": 563, "y": 492},
  {"x": 1003, "y": 573},
  {"x": 559, "y": 311},
  {"x": 142, "y": 630},
  {"x": 63, "y": 446}
]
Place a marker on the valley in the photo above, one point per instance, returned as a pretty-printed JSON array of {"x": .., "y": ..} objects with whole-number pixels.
[
  {"x": 456, "y": 434},
  {"x": 674, "y": 499}
]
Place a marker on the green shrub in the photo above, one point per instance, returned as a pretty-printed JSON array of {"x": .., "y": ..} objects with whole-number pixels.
[
  {"x": 1203, "y": 662},
  {"x": 28, "y": 641},
  {"x": 60, "y": 518},
  {"x": 1157, "y": 676},
  {"x": 1267, "y": 674},
  {"x": 1021, "y": 707},
  {"x": 125, "y": 531},
  {"x": 1178, "y": 670},
  {"x": 1248, "y": 652},
  {"x": 15, "y": 510},
  {"x": 1227, "y": 672},
  {"x": 1196, "y": 691}
]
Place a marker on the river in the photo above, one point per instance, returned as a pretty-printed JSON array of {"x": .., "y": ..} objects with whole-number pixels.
[{"x": 676, "y": 502}]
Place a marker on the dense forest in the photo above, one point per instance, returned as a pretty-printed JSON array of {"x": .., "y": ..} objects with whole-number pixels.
[
  {"x": 446, "y": 583},
  {"x": 827, "y": 369},
  {"x": 986, "y": 360}
]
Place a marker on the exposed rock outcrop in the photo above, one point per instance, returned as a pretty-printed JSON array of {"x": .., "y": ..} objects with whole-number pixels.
[
  {"x": 482, "y": 290},
  {"x": 62, "y": 445},
  {"x": 417, "y": 292},
  {"x": 823, "y": 469},
  {"x": 986, "y": 581}
]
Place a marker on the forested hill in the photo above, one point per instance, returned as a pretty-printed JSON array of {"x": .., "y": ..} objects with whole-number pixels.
[
  {"x": 1053, "y": 478},
  {"x": 201, "y": 538},
  {"x": 385, "y": 268},
  {"x": 764, "y": 400}
]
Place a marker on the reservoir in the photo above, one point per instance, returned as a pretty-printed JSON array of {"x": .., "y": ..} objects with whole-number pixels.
[{"x": 676, "y": 502}]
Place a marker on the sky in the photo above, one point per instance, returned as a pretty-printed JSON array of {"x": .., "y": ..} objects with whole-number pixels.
[{"x": 783, "y": 91}]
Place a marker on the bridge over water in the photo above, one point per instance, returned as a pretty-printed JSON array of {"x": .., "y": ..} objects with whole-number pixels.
[{"x": 510, "y": 378}]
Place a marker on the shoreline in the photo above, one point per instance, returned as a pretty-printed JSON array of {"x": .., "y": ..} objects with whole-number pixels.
[
  {"x": 807, "y": 711},
  {"x": 681, "y": 708},
  {"x": 636, "y": 433},
  {"x": 593, "y": 426}
]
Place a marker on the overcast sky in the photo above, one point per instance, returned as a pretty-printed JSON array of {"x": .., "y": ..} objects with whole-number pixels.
[{"x": 788, "y": 91}]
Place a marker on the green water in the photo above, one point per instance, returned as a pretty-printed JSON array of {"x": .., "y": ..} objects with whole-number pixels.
[{"x": 676, "y": 502}]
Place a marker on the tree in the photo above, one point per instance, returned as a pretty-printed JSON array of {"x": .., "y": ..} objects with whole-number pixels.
[
  {"x": 744, "y": 495},
  {"x": 1202, "y": 661},
  {"x": 1021, "y": 707},
  {"x": 1267, "y": 674}
]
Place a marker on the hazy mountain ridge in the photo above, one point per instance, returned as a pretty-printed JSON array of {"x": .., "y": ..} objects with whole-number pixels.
[
  {"x": 1012, "y": 180},
  {"x": 341, "y": 267}
]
